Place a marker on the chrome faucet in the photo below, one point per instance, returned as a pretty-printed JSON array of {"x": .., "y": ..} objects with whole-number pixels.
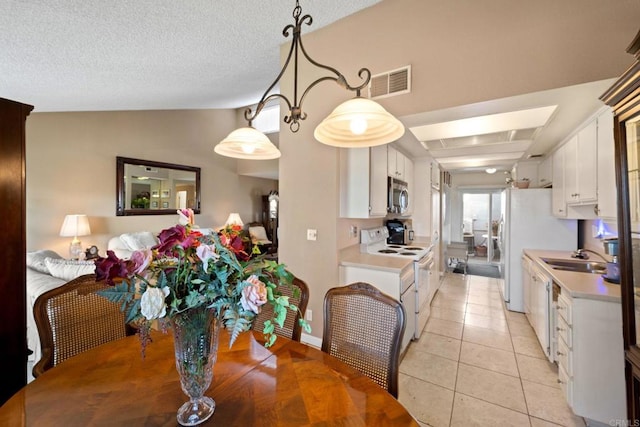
[{"x": 582, "y": 254}]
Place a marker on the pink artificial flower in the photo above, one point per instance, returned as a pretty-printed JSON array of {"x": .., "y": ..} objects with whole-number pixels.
[
  {"x": 169, "y": 238},
  {"x": 255, "y": 295},
  {"x": 140, "y": 260},
  {"x": 186, "y": 217},
  {"x": 110, "y": 268},
  {"x": 205, "y": 253}
]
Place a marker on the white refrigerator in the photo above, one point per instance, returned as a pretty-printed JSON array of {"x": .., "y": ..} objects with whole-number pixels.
[{"x": 527, "y": 223}]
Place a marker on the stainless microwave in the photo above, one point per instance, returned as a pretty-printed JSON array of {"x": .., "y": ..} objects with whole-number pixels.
[{"x": 398, "y": 196}]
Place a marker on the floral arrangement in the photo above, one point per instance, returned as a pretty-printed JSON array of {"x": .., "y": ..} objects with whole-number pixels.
[{"x": 189, "y": 269}]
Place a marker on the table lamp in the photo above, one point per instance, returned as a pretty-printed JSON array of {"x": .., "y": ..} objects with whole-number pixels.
[
  {"x": 234, "y": 219},
  {"x": 75, "y": 225}
]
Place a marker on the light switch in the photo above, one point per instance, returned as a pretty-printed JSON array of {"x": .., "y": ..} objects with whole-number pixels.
[{"x": 312, "y": 234}]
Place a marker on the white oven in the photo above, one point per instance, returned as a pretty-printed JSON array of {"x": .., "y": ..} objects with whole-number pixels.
[{"x": 425, "y": 290}]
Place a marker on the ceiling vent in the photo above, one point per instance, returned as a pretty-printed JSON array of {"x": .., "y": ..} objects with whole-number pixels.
[{"x": 390, "y": 83}]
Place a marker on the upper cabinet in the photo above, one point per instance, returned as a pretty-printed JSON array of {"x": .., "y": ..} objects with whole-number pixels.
[
  {"x": 583, "y": 171},
  {"x": 581, "y": 163},
  {"x": 396, "y": 167},
  {"x": 558, "y": 202},
  {"x": 607, "y": 203},
  {"x": 435, "y": 175},
  {"x": 363, "y": 182}
]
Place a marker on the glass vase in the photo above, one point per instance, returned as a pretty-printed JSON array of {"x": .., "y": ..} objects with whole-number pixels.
[{"x": 195, "y": 336}]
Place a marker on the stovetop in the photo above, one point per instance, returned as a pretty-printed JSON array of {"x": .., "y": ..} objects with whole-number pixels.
[{"x": 374, "y": 241}]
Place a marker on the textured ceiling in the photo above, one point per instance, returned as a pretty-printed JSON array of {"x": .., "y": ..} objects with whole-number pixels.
[{"x": 94, "y": 55}]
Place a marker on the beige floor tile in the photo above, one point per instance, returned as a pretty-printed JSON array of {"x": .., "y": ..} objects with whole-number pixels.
[
  {"x": 515, "y": 316},
  {"x": 444, "y": 327},
  {"x": 485, "y": 300},
  {"x": 469, "y": 411},
  {"x": 490, "y": 386},
  {"x": 548, "y": 403},
  {"x": 429, "y": 367},
  {"x": 521, "y": 329},
  {"x": 488, "y": 337},
  {"x": 537, "y": 422},
  {"x": 529, "y": 346},
  {"x": 455, "y": 294},
  {"x": 489, "y": 358},
  {"x": 537, "y": 370},
  {"x": 496, "y": 324},
  {"x": 439, "y": 345},
  {"x": 450, "y": 304},
  {"x": 428, "y": 403},
  {"x": 485, "y": 310},
  {"x": 446, "y": 314}
]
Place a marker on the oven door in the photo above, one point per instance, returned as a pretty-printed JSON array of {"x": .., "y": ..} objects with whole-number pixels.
[{"x": 425, "y": 291}]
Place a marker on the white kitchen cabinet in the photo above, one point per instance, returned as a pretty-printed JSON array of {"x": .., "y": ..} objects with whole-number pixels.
[
  {"x": 581, "y": 164},
  {"x": 537, "y": 290},
  {"x": 526, "y": 286},
  {"x": 409, "y": 179},
  {"x": 545, "y": 172},
  {"x": 363, "y": 182},
  {"x": 558, "y": 201},
  {"x": 607, "y": 195},
  {"x": 435, "y": 175},
  {"x": 396, "y": 164},
  {"x": 590, "y": 357}
]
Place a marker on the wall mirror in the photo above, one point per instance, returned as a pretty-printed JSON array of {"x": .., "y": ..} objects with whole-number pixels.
[{"x": 144, "y": 187}]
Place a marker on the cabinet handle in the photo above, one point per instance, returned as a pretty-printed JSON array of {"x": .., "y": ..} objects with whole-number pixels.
[
  {"x": 559, "y": 329},
  {"x": 560, "y": 308},
  {"x": 560, "y": 381},
  {"x": 560, "y": 354}
]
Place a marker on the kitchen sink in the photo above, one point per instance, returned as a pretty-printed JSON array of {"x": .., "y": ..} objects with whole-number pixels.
[{"x": 580, "y": 266}]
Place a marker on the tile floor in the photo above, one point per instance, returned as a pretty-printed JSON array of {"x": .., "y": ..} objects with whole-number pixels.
[{"x": 478, "y": 364}]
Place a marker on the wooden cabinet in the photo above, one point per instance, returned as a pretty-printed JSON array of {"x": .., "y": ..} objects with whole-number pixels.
[
  {"x": 558, "y": 202},
  {"x": 581, "y": 165},
  {"x": 545, "y": 172},
  {"x": 590, "y": 357},
  {"x": 13, "y": 327},
  {"x": 607, "y": 203},
  {"x": 396, "y": 164},
  {"x": 363, "y": 182}
]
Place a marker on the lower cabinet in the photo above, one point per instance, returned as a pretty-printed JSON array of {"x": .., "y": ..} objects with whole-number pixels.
[
  {"x": 590, "y": 357},
  {"x": 537, "y": 295}
]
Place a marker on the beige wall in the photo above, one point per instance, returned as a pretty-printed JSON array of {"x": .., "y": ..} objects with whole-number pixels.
[
  {"x": 461, "y": 52},
  {"x": 71, "y": 164}
]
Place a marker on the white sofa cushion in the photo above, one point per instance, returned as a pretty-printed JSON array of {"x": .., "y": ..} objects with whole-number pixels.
[
  {"x": 35, "y": 260},
  {"x": 139, "y": 240},
  {"x": 67, "y": 269}
]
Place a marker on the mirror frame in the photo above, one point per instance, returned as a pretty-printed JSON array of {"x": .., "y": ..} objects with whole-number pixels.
[{"x": 120, "y": 186}]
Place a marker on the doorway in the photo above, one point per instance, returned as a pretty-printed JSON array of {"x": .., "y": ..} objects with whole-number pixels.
[{"x": 480, "y": 220}]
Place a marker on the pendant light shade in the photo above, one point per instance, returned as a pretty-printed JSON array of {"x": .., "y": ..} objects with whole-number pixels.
[
  {"x": 359, "y": 122},
  {"x": 247, "y": 143}
]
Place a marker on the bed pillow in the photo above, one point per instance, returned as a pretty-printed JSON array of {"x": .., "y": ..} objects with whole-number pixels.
[
  {"x": 67, "y": 269},
  {"x": 139, "y": 240},
  {"x": 35, "y": 260}
]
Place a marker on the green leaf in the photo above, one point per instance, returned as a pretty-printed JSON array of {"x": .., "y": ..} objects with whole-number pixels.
[
  {"x": 271, "y": 341},
  {"x": 269, "y": 327}
]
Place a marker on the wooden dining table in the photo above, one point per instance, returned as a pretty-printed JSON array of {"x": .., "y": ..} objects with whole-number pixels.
[{"x": 288, "y": 384}]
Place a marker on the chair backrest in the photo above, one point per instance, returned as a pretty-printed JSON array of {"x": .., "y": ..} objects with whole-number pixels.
[
  {"x": 364, "y": 327},
  {"x": 291, "y": 328},
  {"x": 73, "y": 318}
]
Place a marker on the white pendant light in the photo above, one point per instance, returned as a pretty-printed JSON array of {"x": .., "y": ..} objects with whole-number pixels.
[
  {"x": 359, "y": 122},
  {"x": 247, "y": 143}
]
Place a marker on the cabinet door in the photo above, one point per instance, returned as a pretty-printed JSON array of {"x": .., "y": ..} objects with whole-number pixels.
[
  {"x": 408, "y": 178},
  {"x": 558, "y": 200},
  {"x": 607, "y": 203},
  {"x": 378, "y": 181},
  {"x": 587, "y": 163},
  {"x": 392, "y": 154},
  {"x": 571, "y": 170},
  {"x": 526, "y": 286}
]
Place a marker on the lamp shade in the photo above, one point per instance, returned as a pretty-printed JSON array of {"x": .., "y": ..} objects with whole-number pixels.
[
  {"x": 75, "y": 225},
  {"x": 247, "y": 143},
  {"x": 359, "y": 122},
  {"x": 234, "y": 219}
]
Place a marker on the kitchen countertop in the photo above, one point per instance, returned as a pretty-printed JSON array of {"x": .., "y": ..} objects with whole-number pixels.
[
  {"x": 577, "y": 285},
  {"x": 352, "y": 257}
]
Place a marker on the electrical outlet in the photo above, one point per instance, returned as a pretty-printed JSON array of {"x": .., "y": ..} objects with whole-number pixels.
[
  {"x": 308, "y": 315},
  {"x": 312, "y": 234},
  {"x": 353, "y": 231}
]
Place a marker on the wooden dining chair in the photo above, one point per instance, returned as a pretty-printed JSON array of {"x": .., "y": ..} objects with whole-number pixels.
[
  {"x": 364, "y": 327},
  {"x": 291, "y": 328},
  {"x": 73, "y": 318}
]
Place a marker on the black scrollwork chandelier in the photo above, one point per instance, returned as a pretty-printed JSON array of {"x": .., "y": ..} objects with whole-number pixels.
[{"x": 357, "y": 122}]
